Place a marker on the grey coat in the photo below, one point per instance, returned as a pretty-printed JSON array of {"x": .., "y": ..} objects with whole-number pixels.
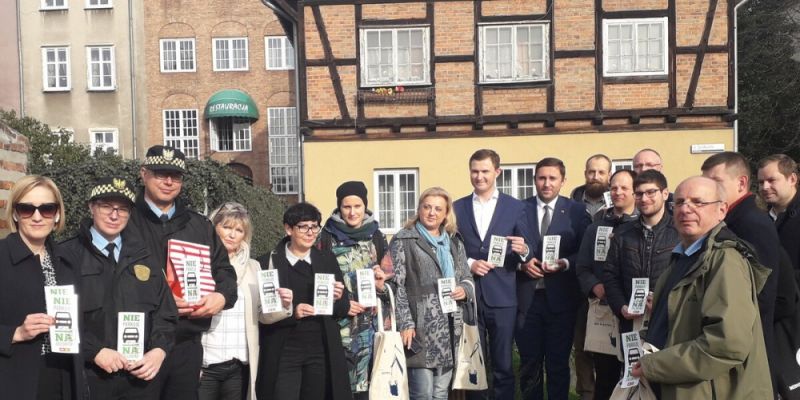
[{"x": 416, "y": 273}]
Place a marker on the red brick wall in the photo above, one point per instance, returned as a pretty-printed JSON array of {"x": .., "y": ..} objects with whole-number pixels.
[
  {"x": 635, "y": 95},
  {"x": 574, "y": 24},
  {"x": 514, "y": 101},
  {"x": 574, "y": 84},
  {"x": 513, "y": 7},
  {"x": 455, "y": 90},
  {"x": 393, "y": 11},
  {"x": 14, "y": 165},
  {"x": 454, "y": 27}
]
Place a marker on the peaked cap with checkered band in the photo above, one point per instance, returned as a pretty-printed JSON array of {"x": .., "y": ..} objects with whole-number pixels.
[
  {"x": 165, "y": 158},
  {"x": 113, "y": 188}
]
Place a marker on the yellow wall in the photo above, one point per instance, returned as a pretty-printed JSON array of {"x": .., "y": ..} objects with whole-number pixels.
[{"x": 443, "y": 162}]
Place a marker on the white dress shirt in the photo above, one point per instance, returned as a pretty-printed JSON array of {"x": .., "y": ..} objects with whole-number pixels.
[
  {"x": 540, "y": 215},
  {"x": 484, "y": 212}
]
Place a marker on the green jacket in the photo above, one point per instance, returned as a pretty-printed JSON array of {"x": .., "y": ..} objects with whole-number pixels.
[{"x": 715, "y": 347}]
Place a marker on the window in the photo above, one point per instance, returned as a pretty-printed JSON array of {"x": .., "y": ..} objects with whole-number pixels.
[
  {"x": 395, "y": 57},
  {"x": 617, "y": 165},
  {"x": 230, "y": 134},
  {"x": 177, "y": 55},
  {"x": 55, "y": 68},
  {"x": 100, "y": 65},
  {"x": 54, "y": 5},
  {"x": 104, "y": 139},
  {"x": 280, "y": 53},
  {"x": 514, "y": 53},
  {"x": 181, "y": 132},
  {"x": 98, "y": 4},
  {"x": 283, "y": 150},
  {"x": 635, "y": 47},
  {"x": 517, "y": 181},
  {"x": 230, "y": 54},
  {"x": 395, "y": 198}
]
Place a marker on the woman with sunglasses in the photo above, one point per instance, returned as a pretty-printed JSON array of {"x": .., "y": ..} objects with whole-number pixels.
[{"x": 29, "y": 369}]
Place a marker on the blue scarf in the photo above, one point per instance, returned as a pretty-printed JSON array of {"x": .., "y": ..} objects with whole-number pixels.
[{"x": 442, "y": 246}]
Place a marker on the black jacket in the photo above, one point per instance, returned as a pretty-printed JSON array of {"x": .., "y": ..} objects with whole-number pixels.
[
  {"x": 188, "y": 226},
  {"x": 788, "y": 224},
  {"x": 22, "y": 293},
  {"x": 108, "y": 289},
  {"x": 273, "y": 336},
  {"x": 626, "y": 260},
  {"x": 590, "y": 272}
]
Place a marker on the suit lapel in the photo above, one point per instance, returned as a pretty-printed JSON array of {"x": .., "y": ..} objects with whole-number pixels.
[
  {"x": 559, "y": 214},
  {"x": 534, "y": 212},
  {"x": 471, "y": 215}
]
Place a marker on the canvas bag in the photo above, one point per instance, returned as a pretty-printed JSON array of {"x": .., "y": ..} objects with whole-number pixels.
[
  {"x": 602, "y": 330},
  {"x": 642, "y": 391},
  {"x": 389, "y": 378},
  {"x": 470, "y": 370}
]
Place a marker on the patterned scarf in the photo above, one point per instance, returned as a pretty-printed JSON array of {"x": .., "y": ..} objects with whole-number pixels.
[{"x": 442, "y": 246}]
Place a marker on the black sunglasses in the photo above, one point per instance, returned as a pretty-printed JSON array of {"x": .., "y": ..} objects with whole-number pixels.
[{"x": 46, "y": 210}]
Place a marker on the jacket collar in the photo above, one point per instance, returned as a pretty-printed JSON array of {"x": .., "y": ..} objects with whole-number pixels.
[
  {"x": 133, "y": 248},
  {"x": 791, "y": 210},
  {"x": 181, "y": 211},
  {"x": 18, "y": 250}
]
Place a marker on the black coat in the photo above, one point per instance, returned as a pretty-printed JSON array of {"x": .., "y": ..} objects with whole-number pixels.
[
  {"x": 22, "y": 293},
  {"x": 188, "y": 226},
  {"x": 788, "y": 224},
  {"x": 589, "y": 271},
  {"x": 108, "y": 289},
  {"x": 273, "y": 336}
]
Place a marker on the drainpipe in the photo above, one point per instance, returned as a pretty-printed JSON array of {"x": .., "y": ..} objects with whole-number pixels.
[
  {"x": 736, "y": 73},
  {"x": 131, "y": 56},
  {"x": 21, "y": 75}
]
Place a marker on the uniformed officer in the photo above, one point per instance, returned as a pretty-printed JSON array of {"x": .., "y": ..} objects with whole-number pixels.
[{"x": 118, "y": 274}]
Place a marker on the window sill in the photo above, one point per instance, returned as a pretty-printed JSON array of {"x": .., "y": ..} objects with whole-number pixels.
[
  {"x": 54, "y": 9},
  {"x": 516, "y": 84},
  {"x": 232, "y": 151},
  {"x": 397, "y": 95},
  {"x": 98, "y": 7},
  {"x": 56, "y": 90},
  {"x": 177, "y": 72},
  {"x": 280, "y": 69},
  {"x": 636, "y": 79},
  {"x": 232, "y": 70},
  {"x": 101, "y": 90}
]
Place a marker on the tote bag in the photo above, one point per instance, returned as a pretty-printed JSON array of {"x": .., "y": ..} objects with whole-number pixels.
[
  {"x": 470, "y": 371},
  {"x": 602, "y": 330},
  {"x": 642, "y": 391},
  {"x": 389, "y": 374}
]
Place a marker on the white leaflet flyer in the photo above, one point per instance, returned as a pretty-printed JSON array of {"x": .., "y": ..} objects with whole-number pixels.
[
  {"x": 601, "y": 242},
  {"x": 62, "y": 304},
  {"x": 550, "y": 245},
  {"x": 323, "y": 294},
  {"x": 446, "y": 287},
  {"x": 130, "y": 335},
  {"x": 638, "y": 301},
  {"x": 365, "y": 280},
  {"x": 497, "y": 250},
  {"x": 632, "y": 349},
  {"x": 607, "y": 199},
  {"x": 191, "y": 282},
  {"x": 268, "y": 291}
]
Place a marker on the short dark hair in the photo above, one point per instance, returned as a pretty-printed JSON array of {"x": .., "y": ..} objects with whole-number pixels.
[
  {"x": 630, "y": 172},
  {"x": 731, "y": 159},
  {"x": 301, "y": 212},
  {"x": 483, "y": 154},
  {"x": 552, "y": 162},
  {"x": 598, "y": 157},
  {"x": 651, "y": 176},
  {"x": 786, "y": 165}
]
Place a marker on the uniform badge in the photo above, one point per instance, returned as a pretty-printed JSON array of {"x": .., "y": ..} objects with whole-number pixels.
[
  {"x": 168, "y": 154},
  {"x": 119, "y": 184},
  {"x": 142, "y": 272}
]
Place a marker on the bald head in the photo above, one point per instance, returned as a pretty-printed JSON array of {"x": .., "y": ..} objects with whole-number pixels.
[
  {"x": 647, "y": 159},
  {"x": 699, "y": 207}
]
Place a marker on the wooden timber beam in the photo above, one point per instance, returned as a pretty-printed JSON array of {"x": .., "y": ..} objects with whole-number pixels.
[
  {"x": 698, "y": 63},
  {"x": 334, "y": 72}
]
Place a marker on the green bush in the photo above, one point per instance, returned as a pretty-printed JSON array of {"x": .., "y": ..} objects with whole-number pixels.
[{"x": 207, "y": 183}]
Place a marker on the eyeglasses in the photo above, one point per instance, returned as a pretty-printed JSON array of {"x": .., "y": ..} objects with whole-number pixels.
[
  {"x": 108, "y": 209},
  {"x": 693, "y": 204},
  {"x": 649, "y": 192},
  {"x": 308, "y": 228},
  {"x": 46, "y": 210},
  {"x": 163, "y": 175},
  {"x": 646, "y": 165}
]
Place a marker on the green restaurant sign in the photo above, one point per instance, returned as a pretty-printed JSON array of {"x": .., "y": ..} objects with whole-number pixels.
[{"x": 231, "y": 103}]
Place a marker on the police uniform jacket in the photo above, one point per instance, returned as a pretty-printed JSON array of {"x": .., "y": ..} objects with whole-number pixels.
[{"x": 135, "y": 283}]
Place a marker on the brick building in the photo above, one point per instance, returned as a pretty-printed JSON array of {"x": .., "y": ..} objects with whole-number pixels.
[
  {"x": 398, "y": 94},
  {"x": 220, "y": 85}
]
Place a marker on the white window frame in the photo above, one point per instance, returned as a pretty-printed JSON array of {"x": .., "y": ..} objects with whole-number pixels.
[
  {"x": 286, "y": 61},
  {"x": 60, "y": 131},
  {"x": 183, "y": 128},
  {"x": 114, "y": 145},
  {"x": 68, "y": 74},
  {"x": 230, "y": 41},
  {"x": 515, "y": 184},
  {"x": 99, "y": 5},
  {"x": 617, "y": 165},
  {"x": 43, "y": 5},
  {"x": 243, "y": 144},
  {"x": 514, "y": 71},
  {"x": 395, "y": 206},
  {"x": 426, "y": 57},
  {"x": 178, "y": 60},
  {"x": 284, "y": 134},
  {"x": 635, "y": 23},
  {"x": 89, "y": 62}
]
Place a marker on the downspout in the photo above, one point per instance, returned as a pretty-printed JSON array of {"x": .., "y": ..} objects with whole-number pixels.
[
  {"x": 19, "y": 54},
  {"x": 131, "y": 56},
  {"x": 301, "y": 158},
  {"x": 736, "y": 73}
]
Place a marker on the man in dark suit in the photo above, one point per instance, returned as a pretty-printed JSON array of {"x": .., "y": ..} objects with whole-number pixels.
[
  {"x": 547, "y": 292},
  {"x": 777, "y": 182},
  {"x": 484, "y": 214}
]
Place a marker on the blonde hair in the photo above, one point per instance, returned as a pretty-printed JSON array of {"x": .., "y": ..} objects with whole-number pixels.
[
  {"x": 449, "y": 223},
  {"x": 233, "y": 212},
  {"x": 23, "y": 186}
]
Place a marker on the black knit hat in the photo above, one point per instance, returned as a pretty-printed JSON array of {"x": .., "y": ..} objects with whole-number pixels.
[
  {"x": 351, "y": 188},
  {"x": 113, "y": 188},
  {"x": 165, "y": 158}
]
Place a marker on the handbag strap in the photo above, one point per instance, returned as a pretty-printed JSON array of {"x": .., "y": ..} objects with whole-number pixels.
[
  {"x": 392, "y": 317},
  {"x": 474, "y": 298}
]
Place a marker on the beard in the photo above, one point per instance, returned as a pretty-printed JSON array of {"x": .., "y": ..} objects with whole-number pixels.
[{"x": 595, "y": 189}]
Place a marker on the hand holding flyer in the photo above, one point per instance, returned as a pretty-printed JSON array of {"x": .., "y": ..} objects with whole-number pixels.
[
  {"x": 191, "y": 285},
  {"x": 268, "y": 291},
  {"x": 130, "y": 335},
  {"x": 637, "y": 303},
  {"x": 550, "y": 246},
  {"x": 497, "y": 251},
  {"x": 446, "y": 287},
  {"x": 632, "y": 351},
  {"x": 601, "y": 242},
  {"x": 365, "y": 280},
  {"x": 62, "y": 304},
  {"x": 323, "y": 294}
]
